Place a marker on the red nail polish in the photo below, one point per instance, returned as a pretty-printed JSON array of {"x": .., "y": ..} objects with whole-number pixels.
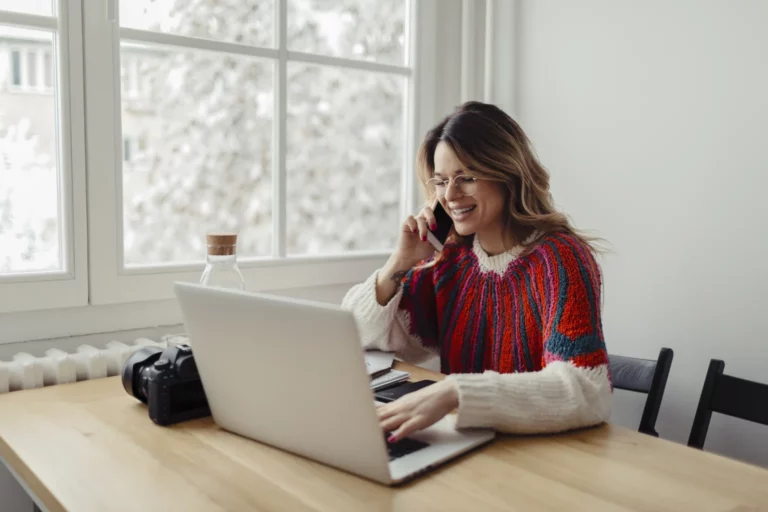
[
  {"x": 391, "y": 439},
  {"x": 423, "y": 239},
  {"x": 433, "y": 227}
]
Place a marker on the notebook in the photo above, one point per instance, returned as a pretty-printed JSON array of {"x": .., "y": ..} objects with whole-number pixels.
[
  {"x": 389, "y": 379},
  {"x": 378, "y": 362}
]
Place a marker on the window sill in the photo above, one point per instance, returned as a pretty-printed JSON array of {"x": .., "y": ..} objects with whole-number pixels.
[
  {"x": 318, "y": 279},
  {"x": 156, "y": 283}
]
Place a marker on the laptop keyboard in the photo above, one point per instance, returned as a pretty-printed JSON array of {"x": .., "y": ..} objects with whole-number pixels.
[{"x": 403, "y": 447}]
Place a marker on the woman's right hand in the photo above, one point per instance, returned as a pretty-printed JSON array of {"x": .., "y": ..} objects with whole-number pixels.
[{"x": 412, "y": 247}]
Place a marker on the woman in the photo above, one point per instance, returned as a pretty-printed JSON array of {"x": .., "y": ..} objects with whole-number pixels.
[{"x": 511, "y": 304}]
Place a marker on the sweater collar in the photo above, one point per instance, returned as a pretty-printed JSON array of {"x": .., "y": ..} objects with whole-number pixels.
[{"x": 499, "y": 262}]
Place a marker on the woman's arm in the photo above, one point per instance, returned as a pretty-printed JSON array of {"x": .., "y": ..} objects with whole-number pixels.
[
  {"x": 387, "y": 316},
  {"x": 395, "y": 307},
  {"x": 389, "y": 279},
  {"x": 560, "y": 397},
  {"x": 573, "y": 389}
]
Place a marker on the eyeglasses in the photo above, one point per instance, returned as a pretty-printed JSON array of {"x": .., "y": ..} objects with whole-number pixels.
[{"x": 466, "y": 185}]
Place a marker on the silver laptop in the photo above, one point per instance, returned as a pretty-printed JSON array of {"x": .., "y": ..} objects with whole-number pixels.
[{"x": 292, "y": 374}]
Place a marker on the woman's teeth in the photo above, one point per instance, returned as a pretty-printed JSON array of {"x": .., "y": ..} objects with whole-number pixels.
[{"x": 463, "y": 211}]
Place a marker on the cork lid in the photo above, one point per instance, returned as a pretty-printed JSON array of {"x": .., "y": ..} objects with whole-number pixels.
[{"x": 221, "y": 244}]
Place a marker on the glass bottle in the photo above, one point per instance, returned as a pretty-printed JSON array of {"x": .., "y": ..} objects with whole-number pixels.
[{"x": 221, "y": 268}]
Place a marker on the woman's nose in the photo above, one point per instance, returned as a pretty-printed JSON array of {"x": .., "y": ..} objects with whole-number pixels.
[{"x": 452, "y": 191}]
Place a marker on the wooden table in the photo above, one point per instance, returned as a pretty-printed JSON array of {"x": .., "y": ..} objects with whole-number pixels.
[{"x": 90, "y": 447}]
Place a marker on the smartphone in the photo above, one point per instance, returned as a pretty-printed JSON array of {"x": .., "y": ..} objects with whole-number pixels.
[
  {"x": 443, "y": 228},
  {"x": 393, "y": 393}
]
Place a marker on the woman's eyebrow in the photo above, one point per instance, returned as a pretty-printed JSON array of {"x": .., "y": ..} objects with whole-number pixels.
[{"x": 458, "y": 172}]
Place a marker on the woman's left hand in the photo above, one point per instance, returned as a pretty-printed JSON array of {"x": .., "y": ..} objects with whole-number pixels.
[{"x": 418, "y": 410}]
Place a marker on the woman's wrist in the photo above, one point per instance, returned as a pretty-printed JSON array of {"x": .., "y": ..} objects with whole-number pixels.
[
  {"x": 450, "y": 393},
  {"x": 398, "y": 264},
  {"x": 389, "y": 279},
  {"x": 394, "y": 270}
]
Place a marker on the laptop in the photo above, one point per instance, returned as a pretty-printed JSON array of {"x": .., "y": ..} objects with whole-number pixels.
[{"x": 291, "y": 374}]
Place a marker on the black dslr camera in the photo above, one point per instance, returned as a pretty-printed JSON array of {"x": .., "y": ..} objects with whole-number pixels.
[{"x": 167, "y": 381}]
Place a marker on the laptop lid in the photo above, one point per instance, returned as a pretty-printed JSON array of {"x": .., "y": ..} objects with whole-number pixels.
[{"x": 288, "y": 373}]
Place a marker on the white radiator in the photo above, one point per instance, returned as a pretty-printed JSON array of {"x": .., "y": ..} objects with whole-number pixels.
[{"x": 26, "y": 371}]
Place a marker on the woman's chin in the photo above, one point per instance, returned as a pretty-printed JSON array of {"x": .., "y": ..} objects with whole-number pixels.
[{"x": 464, "y": 229}]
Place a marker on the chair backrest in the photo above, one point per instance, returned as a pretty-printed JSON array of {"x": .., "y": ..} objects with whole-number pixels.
[
  {"x": 741, "y": 398},
  {"x": 644, "y": 376}
]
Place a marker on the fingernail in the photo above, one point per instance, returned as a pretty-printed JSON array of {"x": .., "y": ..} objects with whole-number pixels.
[
  {"x": 433, "y": 226},
  {"x": 423, "y": 239},
  {"x": 391, "y": 439}
]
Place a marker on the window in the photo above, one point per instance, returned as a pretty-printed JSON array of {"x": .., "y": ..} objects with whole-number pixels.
[
  {"x": 42, "y": 228},
  {"x": 286, "y": 121},
  {"x": 291, "y": 122},
  {"x": 213, "y": 114}
]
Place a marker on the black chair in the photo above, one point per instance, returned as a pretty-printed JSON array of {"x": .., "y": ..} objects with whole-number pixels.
[
  {"x": 643, "y": 376},
  {"x": 741, "y": 398}
]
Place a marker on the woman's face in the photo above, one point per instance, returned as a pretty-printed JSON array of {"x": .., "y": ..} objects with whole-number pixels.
[{"x": 478, "y": 213}]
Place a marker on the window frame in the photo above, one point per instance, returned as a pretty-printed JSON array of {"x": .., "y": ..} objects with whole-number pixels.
[
  {"x": 67, "y": 287},
  {"x": 111, "y": 281},
  {"x": 52, "y": 305}
]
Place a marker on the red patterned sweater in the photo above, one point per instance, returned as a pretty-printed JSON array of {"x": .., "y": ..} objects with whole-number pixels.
[{"x": 521, "y": 336}]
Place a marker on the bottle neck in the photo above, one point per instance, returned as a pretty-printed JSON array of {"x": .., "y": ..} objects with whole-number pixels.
[{"x": 222, "y": 259}]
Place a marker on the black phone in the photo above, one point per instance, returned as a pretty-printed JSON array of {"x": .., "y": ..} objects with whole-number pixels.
[
  {"x": 393, "y": 393},
  {"x": 439, "y": 235}
]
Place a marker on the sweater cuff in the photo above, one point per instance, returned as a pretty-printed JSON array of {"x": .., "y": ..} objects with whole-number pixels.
[
  {"x": 559, "y": 397},
  {"x": 369, "y": 309},
  {"x": 373, "y": 319},
  {"x": 477, "y": 399}
]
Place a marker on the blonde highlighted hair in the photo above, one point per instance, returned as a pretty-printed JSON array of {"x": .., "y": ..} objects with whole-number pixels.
[{"x": 491, "y": 146}]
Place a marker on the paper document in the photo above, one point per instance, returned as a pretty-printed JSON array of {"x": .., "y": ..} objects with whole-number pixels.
[
  {"x": 389, "y": 379},
  {"x": 378, "y": 362}
]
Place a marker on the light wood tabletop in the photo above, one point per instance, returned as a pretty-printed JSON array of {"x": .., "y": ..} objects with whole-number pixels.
[{"x": 89, "y": 446}]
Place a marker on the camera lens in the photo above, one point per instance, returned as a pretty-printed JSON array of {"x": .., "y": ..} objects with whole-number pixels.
[{"x": 135, "y": 371}]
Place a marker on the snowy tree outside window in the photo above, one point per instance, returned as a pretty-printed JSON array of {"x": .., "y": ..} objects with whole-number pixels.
[
  {"x": 201, "y": 128},
  {"x": 29, "y": 178},
  {"x": 208, "y": 122}
]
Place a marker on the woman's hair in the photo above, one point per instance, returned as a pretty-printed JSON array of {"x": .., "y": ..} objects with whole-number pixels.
[{"x": 492, "y": 146}]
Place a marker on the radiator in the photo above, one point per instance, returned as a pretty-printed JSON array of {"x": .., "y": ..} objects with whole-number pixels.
[{"x": 25, "y": 371}]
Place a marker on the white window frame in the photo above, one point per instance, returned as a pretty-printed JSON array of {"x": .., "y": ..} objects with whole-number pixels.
[
  {"x": 67, "y": 287},
  {"x": 111, "y": 282}
]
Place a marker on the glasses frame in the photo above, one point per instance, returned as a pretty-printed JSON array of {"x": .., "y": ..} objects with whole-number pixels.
[{"x": 452, "y": 181}]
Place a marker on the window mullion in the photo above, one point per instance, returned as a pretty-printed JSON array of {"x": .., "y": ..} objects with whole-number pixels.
[{"x": 279, "y": 172}]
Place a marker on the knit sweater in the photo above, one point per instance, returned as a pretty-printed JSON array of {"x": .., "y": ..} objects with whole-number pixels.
[{"x": 519, "y": 333}]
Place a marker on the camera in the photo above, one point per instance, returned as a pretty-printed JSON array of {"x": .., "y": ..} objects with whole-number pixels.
[{"x": 167, "y": 381}]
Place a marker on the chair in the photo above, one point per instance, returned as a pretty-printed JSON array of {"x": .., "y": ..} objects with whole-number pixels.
[
  {"x": 741, "y": 398},
  {"x": 643, "y": 376}
]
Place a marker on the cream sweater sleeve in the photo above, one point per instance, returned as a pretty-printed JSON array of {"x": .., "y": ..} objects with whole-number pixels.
[
  {"x": 384, "y": 327},
  {"x": 560, "y": 397}
]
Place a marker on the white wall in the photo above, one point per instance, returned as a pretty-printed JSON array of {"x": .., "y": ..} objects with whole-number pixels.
[{"x": 652, "y": 118}]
